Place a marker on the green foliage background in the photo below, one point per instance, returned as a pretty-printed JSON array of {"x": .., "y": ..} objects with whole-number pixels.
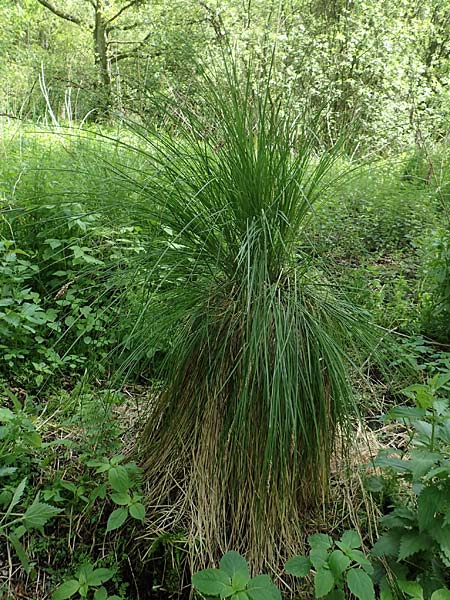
[{"x": 377, "y": 69}]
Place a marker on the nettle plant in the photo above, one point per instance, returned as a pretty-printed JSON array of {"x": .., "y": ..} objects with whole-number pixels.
[
  {"x": 86, "y": 584},
  {"x": 16, "y": 522},
  {"x": 337, "y": 566},
  {"x": 416, "y": 538},
  {"x": 232, "y": 580}
]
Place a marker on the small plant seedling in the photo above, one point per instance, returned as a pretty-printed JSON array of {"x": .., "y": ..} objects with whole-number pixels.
[
  {"x": 87, "y": 579},
  {"x": 232, "y": 580},
  {"x": 337, "y": 566},
  {"x": 124, "y": 486}
]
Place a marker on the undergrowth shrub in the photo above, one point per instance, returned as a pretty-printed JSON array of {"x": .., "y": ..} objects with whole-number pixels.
[
  {"x": 65, "y": 473},
  {"x": 60, "y": 264},
  {"x": 416, "y": 531},
  {"x": 373, "y": 211}
]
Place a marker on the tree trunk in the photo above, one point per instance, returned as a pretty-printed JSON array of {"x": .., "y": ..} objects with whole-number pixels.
[{"x": 102, "y": 61}]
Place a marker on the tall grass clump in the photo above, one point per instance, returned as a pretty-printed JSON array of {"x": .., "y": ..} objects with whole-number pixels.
[{"x": 257, "y": 396}]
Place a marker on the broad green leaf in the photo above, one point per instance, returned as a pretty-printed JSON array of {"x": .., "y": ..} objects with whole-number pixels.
[
  {"x": 37, "y": 515},
  {"x": 119, "y": 479},
  {"x": 320, "y": 540},
  {"x": 338, "y": 562},
  {"x": 412, "y": 542},
  {"x": 351, "y": 538},
  {"x": 84, "y": 572},
  {"x": 422, "y": 462},
  {"x": 441, "y": 472},
  {"x": 360, "y": 584},
  {"x": 397, "y": 464},
  {"x": 99, "y": 576},
  {"x": 137, "y": 511},
  {"x": 440, "y": 380},
  {"x": 117, "y": 518},
  {"x": 121, "y": 498},
  {"x": 232, "y": 562},
  {"x": 213, "y": 582},
  {"x": 102, "y": 465},
  {"x": 239, "y": 581},
  {"x": 405, "y": 412},
  {"x": 442, "y": 594},
  {"x": 261, "y": 587},
  {"x": 429, "y": 503},
  {"x": 98, "y": 492},
  {"x": 318, "y": 557},
  {"x": 362, "y": 560},
  {"x": 447, "y": 516},
  {"x": 101, "y": 594},
  {"x": 323, "y": 582},
  {"x": 399, "y": 517},
  {"x": 385, "y": 590},
  {"x": 66, "y": 590},
  {"x": 411, "y": 588},
  {"x": 299, "y": 566},
  {"x": 374, "y": 484},
  {"x": 388, "y": 544},
  {"x": 6, "y": 415}
]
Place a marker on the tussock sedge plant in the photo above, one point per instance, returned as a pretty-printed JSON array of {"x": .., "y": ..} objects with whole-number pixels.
[{"x": 238, "y": 444}]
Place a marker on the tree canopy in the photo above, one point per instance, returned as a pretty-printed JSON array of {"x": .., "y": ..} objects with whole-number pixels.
[{"x": 377, "y": 67}]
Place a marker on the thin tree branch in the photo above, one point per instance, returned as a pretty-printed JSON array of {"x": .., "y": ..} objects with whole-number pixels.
[
  {"x": 123, "y": 27},
  {"x": 123, "y": 9},
  {"x": 134, "y": 52},
  {"x": 59, "y": 13}
]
